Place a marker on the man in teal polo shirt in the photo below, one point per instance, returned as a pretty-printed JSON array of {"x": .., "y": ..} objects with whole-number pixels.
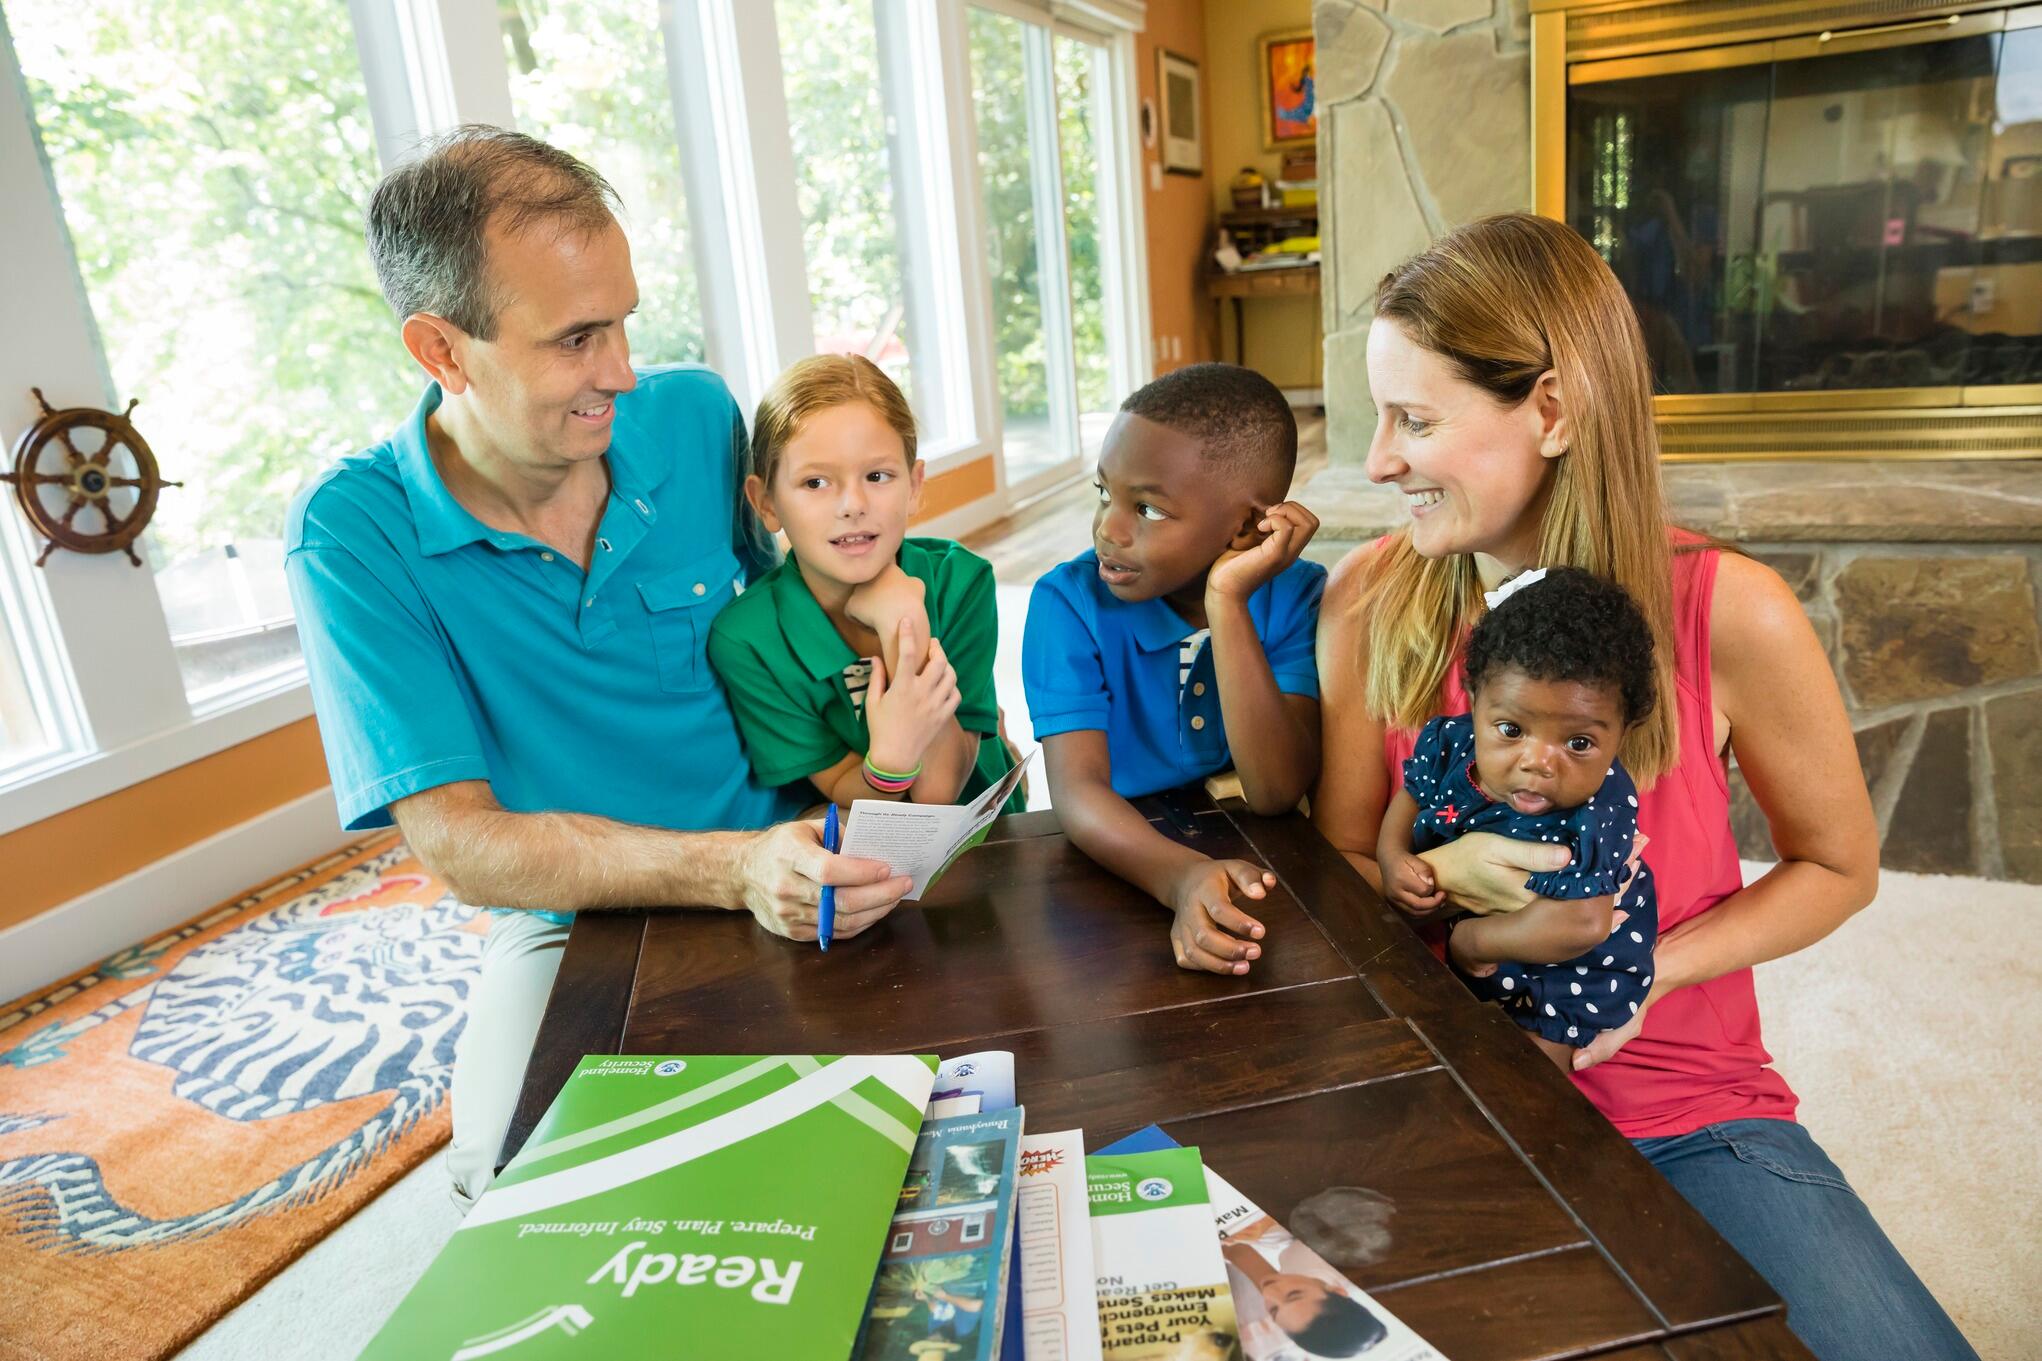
[{"x": 505, "y": 607}]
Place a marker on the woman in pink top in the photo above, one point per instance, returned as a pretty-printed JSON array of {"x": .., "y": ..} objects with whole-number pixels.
[{"x": 1514, "y": 412}]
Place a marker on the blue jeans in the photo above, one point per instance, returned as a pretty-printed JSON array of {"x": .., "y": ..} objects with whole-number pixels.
[{"x": 1767, "y": 1187}]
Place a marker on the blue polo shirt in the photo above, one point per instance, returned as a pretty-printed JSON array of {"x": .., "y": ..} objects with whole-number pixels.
[
  {"x": 440, "y": 649},
  {"x": 1092, "y": 662}
]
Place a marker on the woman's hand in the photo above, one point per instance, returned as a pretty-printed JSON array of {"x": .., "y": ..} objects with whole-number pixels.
[
  {"x": 1609, "y": 1041},
  {"x": 1484, "y": 873}
]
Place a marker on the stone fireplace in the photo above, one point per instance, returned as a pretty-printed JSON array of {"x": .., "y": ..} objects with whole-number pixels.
[{"x": 1917, "y": 568}]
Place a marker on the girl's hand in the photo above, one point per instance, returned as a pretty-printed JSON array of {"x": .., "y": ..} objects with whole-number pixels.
[
  {"x": 1484, "y": 873},
  {"x": 1240, "y": 572},
  {"x": 906, "y": 715},
  {"x": 886, "y": 602}
]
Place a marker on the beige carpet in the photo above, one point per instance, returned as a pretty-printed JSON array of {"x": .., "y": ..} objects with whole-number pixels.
[{"x": 1913, "y": 1037}]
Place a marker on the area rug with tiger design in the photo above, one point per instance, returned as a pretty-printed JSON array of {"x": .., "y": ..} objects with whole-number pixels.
[{"x": 182, "y": 1120}]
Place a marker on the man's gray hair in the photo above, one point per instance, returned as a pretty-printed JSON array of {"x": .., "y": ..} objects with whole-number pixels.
[{"x": 426, "y": 218}]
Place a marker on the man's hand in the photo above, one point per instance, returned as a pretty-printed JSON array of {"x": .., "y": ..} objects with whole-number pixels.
[
  {"x": 1240, "y": 572},
  {"x": 885, "y": 603},
  {"x": 1485, "y": 873},
  {"x": 906, "y": 711},
  {"x": 1209, "y": 932},
  {"x": 1409, "y": 885},
  {"x": 783, "y": 872}
]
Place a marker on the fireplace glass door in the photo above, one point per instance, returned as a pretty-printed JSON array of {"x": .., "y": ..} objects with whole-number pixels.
[{"x": 1823, "y": 215}]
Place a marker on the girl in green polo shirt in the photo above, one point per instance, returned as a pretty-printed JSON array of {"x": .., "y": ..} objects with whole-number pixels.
[{"x": 863, "y": 663}]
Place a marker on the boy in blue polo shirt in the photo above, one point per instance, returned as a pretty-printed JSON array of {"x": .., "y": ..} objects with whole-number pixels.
[{"x": 1181, "y": 641}]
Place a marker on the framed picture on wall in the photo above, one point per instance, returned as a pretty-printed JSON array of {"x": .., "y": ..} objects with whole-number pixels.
[
  {"x": 1290, "y": 108},
  {"x": 1182, "y": 138}
]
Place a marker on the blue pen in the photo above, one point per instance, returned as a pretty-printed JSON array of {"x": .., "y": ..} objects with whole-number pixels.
[{"x": 826, "y": 910}]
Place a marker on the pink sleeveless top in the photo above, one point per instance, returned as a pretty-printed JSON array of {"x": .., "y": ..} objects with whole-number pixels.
[{"x": 1699, "y": 1059}]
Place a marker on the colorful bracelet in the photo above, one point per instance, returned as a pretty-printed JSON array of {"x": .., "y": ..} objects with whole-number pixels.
[{"x": 888, "y": 783}]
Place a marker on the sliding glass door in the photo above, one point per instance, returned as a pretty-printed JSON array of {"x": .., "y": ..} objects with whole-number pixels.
[{"x": 1042, "y": 96}]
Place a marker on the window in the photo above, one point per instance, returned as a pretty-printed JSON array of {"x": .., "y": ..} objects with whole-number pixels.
[
  {"x": 591, "y": 78},
  {"x": 213, "y": 172},
  {"x": 1081, "y": 87},
  {"x": 1043, "y": 121},
  {"x": 837, "y": 125},
  {"x": 793, "y": 176}
]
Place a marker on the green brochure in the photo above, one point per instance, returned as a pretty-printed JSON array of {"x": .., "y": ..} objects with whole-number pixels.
[
  {"x": 1163, "y": 1292},
  {"x": 669, "y": 1206}
]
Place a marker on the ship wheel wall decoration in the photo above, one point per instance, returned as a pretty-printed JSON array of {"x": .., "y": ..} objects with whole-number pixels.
[{"x": 85, "y": 483}]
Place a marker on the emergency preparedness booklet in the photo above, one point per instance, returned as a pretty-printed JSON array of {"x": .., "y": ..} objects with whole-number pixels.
[
  {"x": 728, "y": 1206},
  {"x": 1163, "y": 1290}
]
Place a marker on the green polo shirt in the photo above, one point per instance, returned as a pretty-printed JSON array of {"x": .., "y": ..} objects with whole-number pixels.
[{"x": 783, "y": 662}]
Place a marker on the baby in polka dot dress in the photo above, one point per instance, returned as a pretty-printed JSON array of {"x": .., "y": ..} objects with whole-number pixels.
[{"x": 1558, "y": 671}]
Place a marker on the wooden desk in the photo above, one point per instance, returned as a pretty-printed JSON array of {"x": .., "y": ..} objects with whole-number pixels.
[
  {"x": 1298, "y": 281},
  {"x": 1522, "y": 1225}
]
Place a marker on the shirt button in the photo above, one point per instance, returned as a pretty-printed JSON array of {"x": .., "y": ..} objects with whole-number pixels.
[
  {"x": 1197, "y": 722},
  {"x": 545, "y": 557},
  {"x": 590, "y": 601},
  {"x": 700, "y": 589},
  {"x": 1198, "y": 687}
]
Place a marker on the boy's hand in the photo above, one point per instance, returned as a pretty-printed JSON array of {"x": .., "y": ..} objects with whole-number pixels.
[
  {"x": 1210, "y": 933},
  {"x": 1240, "y": 572},
  {"x": 1408, "y": 884},
  {"x": 906, "y": 714}
]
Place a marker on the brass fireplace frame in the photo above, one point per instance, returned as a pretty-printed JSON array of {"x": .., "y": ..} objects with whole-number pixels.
[{"x": 1576, "y": 42}]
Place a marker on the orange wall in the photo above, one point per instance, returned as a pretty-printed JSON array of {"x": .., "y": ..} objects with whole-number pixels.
[
  {"x": 87, "y": 847},
  {"x": 1179, "y": 213},
  {"x": 959, "y": 487}
]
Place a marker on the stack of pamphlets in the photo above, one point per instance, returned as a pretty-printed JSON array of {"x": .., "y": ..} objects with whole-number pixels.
[
  {"x": 737, "y": 1202},
  {"x": 868, "y": 1208}
]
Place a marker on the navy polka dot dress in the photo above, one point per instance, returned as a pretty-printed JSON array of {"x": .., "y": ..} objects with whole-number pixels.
[{"x": 1600, "y": 990}]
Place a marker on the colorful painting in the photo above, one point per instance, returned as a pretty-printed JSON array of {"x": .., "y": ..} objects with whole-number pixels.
[{"x": 1290, "y": 110}]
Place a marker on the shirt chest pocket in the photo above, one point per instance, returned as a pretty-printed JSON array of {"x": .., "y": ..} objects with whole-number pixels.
[{"x": 680, "y": 605}]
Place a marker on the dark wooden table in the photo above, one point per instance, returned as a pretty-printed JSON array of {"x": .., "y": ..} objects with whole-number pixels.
[{"x": 1523, "y": 1225}]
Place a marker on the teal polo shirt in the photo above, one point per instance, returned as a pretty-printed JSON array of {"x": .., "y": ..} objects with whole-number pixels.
[{"x": 440, "y": 649}]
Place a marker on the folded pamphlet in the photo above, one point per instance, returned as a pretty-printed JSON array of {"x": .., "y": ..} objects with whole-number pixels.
[
  {"x": 921, "y": 840},
  {"x": 1163, "y": 1290}
]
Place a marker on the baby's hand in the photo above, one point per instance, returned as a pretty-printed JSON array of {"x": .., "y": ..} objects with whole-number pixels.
[
  {"x": 1209, "y": 932},
  {"x": 1408, "y": 883}
]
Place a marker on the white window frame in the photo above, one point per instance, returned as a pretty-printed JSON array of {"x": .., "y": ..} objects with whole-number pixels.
[{"x": 91, "y": 631}]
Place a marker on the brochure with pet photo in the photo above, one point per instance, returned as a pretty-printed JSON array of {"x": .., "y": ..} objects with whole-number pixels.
[{"x": 1163, "y": 1293}]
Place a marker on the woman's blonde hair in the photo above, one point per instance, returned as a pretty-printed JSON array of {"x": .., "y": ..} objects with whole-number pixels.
[
  {"x": 1505, "y": 300},
  {"x": 818, "y": 383}
]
